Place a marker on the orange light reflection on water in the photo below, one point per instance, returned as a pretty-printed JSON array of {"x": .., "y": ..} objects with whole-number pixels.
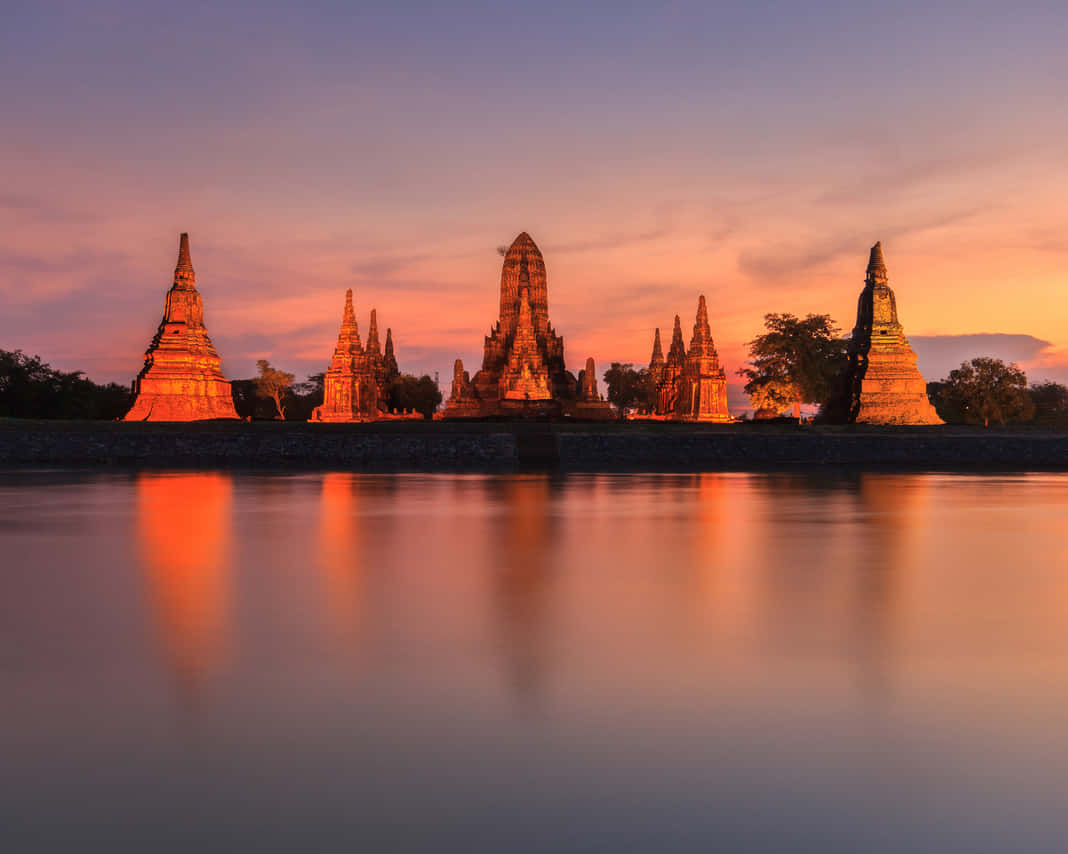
[{"x": 184, "y": 536}]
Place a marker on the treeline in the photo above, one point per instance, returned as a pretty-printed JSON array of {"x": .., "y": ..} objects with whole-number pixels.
[
  {"x": 805, "y": 361},
  {"x": 30, "y": 388}
]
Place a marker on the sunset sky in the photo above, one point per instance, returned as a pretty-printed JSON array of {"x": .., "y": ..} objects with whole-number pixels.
[{"x": 654, "y": 152}]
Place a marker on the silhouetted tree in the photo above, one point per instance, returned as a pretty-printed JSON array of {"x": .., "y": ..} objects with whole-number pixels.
[
  {"x": 273, "y": 384},
  {"x": 30, "y": 388},
  {"x": 948, "y": 409},
  {"x": 628, "y": 388},
  {"x": 418, "y": 394},
  {"x": 985, "y": 390},
  {"x": 1051, "y": 403},
  {"x": 796, "y": 361},
  {"x": 305, "y": 397}
]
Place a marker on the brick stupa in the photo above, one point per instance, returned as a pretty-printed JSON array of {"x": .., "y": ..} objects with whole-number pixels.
[
  {"x": 886, "y": 385},
  {"x": 523, "y": 373},
  {"x": 690, "y": 384},
  {"x": 355, "y": 385},
  {"x": 703, "y": 396},
  {"x": 182, "y": 378}
]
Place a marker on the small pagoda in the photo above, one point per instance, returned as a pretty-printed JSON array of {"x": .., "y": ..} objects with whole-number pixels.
[
  {"x": 885, "y": 384},
  {"x": 182, "y": 378},
  {"x": 357, "y": 382},
  {"x": 690, "y": 385},
  {"x": 523, "y": 373}
]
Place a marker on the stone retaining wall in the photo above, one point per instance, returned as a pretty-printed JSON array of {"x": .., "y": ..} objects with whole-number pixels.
[
  {"x": 497, "y": 447},
  {"x": 358, "y": 450}
]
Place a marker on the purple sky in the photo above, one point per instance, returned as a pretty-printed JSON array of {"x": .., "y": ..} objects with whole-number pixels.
[{"x": 751, "y": 152}]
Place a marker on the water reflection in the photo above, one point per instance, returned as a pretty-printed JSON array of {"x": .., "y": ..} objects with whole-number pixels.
[
  {"x": 339, "y": 551},
  {"x": 184, "y": 538},
  {"x": 858, "y": 661},
  {"x": 522, "y": 581}
]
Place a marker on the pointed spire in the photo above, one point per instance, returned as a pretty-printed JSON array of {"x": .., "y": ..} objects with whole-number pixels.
[
  {"x": 372, "y": 334},
  {"x": 390, "y": 360},
  {"x": 657, "y": 359},
  {"x": 876, "y": 264},
  {"x": 348, "y": 319},
  {"x": 701, "y": 342},
  {"x": 677, "y": 351},
  {"x": 184, "y": 276},
  {"x": 184, "y": 260}
]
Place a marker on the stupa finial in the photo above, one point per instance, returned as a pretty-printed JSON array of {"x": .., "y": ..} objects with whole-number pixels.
[
  {"x": 876, "y": 264},
  {"x": 657, "y": 358},
  {"x": 185, "y": 262},
  {"x": 373, "y": 345}
]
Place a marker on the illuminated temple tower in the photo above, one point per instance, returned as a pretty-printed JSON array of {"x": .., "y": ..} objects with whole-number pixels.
[
  {"x": 358, "y": 378},
  {"x": 886, "y": 385},
  {"x": 523, "y": 371},
  {"x": 690, "y": 384},
  {"x": 182, "y": 378},
  {"x": 703, "y": 395}
]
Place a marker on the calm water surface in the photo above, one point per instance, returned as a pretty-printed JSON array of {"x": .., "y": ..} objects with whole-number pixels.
[{"x": 245, "y": 662}]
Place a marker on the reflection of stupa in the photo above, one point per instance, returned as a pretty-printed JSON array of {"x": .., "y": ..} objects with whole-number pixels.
[
  {"x": 523, "y": 371},
  {"x": 886, "y": 385},
  {"x": 182, "y": 378},
  {"x": 183, "y": 529},
  {"x": 339, "y": 549}
]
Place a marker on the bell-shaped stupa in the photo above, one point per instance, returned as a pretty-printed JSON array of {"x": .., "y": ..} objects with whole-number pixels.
[
  {"x": 886, "y": 386},
  {"x": 182, "y": 378}
]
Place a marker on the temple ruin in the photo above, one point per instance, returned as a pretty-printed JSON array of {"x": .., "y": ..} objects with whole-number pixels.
[
  {"x": 886, "y": 386},
  {"x": 182, "y": 378},
  {"x": 356, "y": 385},
  {"x": 523, "y": 373},
  {"x": 690, "y": 384}
]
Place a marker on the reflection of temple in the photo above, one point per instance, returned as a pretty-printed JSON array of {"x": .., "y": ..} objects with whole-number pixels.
[
  {"x": 356, "y": 384},
  {"x": 182, "y": 378},
  {"x": 183, "y": 529},
  {"x": 887, "y": 387},
  {"x": 523, "y": 370},
  {"x": 690, "y": 384},
  {"x": 339, "y": 556},
  {"x": 524, "y": 580}
]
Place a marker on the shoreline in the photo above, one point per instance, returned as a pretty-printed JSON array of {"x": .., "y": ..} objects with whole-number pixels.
[{"x": 513, "y": 446}]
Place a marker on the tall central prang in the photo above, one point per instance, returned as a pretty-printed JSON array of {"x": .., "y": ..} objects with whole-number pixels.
[{"x": 523, "y": 371}]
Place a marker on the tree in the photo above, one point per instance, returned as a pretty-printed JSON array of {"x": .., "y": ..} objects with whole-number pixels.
[
  {"x": 418, "y": 394},
  {"x": 628, "y": 388},
  {"x": 305, "y": 397},
  {"x": 1051, "y": 403},
  {"x": 796, "y": 361},
  {"x": 273, "y": 384},
  {"x": 30, "y": 388},
  {"x": 985, "y": 390}
]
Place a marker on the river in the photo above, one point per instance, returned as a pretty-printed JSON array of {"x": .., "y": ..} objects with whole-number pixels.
[{"x": 214, "y": 661}]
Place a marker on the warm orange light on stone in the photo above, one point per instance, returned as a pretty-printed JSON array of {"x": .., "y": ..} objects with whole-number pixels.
[
  {"x": 182, "y": 378},
  {"x": 356, "y": 383},
  {"x": 523, "y": 371},
  {"x": 887, "y": 387},
  {"x": 691, "y": 384}
]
